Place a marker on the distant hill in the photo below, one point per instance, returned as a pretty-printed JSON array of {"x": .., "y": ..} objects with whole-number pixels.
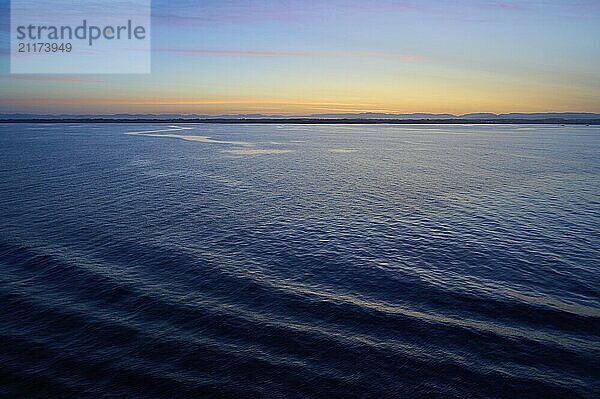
[
  {"x": 543, "y": 115},
  {"x": 548, "y": 116},
  {"x": 374, "y": 115},
  {"x": 478, "y": 116}
]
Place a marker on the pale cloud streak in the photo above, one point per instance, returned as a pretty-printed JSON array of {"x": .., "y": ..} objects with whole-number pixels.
[
  {"x": 202, "y": 52},
  {"x": 51, "y": 78}
]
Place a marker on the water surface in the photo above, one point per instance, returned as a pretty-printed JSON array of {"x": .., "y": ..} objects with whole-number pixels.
[{"x": 299, "y": 261}]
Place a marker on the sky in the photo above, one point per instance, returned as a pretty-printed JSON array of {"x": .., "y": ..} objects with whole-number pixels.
[{"x": 299, "y": 57}]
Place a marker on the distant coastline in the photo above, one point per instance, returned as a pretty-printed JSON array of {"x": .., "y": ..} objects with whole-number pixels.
[
  {"x": 314, "y": 121},
  {"x": 361, "y": 118}
]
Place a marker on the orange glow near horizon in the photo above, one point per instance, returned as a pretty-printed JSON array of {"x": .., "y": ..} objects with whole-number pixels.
[{"x": 407, "y": 103}]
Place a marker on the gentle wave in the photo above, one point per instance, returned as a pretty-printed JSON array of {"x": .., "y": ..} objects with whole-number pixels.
[{"x": 154, "y": 268}]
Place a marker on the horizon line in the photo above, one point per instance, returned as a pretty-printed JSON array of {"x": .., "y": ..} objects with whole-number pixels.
[{"x": 308, "y": 115}]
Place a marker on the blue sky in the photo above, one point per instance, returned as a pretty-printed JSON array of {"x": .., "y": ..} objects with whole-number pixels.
[{"x": 301, "y": 56}]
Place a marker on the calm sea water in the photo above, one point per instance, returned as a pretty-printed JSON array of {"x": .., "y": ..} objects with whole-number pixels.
[{"x": 299, "y": 261}]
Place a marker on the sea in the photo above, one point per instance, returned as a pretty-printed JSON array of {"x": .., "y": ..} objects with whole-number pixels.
[{"x": 299, "y": 261}]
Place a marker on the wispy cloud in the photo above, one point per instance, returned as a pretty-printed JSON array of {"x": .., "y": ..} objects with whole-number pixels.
[
  {"x": 51, "y": 78},
  {"x": 203, "y": 52},
  {"x": 181, "y": 13},
  {"x": 189, "y": 13},
  {"x": 180, "y": 101}
]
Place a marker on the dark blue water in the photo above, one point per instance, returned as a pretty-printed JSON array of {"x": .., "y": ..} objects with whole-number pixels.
[{"x": 299, "y": 261}]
